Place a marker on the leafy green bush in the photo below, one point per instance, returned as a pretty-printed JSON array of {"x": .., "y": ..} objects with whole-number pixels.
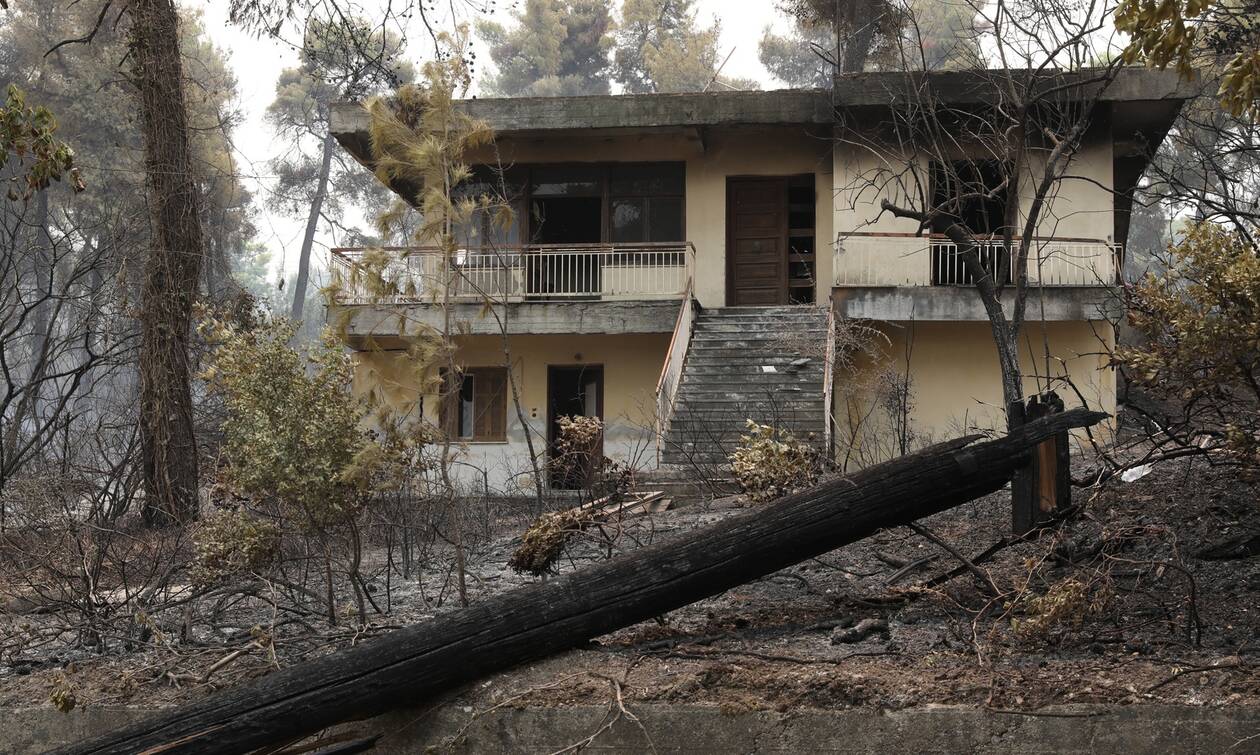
[
  {"x": 294, "y": 433},
  {"x": 1201, "y": 334}
]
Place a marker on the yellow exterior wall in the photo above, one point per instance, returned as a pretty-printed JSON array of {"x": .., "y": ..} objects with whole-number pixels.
[
  {"x": 632, "y": 365},
  {"x": 1079, "y": 207},
  {"x": 955, "y": 382}
]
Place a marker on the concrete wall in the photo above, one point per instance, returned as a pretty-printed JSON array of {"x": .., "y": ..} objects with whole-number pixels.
[
  {"x": 711, "y": 156},
  {"x": 680, "y": 728},
  {"x": 1080, "y": 206},
  {"x": 632, "y": 365},
  {"x": 955, "y": 385}
]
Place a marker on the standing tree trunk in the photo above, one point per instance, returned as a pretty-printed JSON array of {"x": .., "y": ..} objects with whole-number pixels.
[
  {"x": 856, "y": 22},
  {"x": 169, "y": 447},
  {"x": 312, "y": 224}
]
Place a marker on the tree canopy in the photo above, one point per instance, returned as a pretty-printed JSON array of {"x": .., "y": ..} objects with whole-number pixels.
[{"x": 556, "y": 47}]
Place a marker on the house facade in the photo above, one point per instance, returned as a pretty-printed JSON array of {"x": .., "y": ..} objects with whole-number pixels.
[{"x": 680, "y": 263}]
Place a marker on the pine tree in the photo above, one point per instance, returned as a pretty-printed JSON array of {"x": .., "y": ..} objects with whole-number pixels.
[
  {"x": 333, "y": 67},
  {"x": 557, "y": 47},
  {"x": 660, "y": 47},
  {"x": 798, "y": 59}
]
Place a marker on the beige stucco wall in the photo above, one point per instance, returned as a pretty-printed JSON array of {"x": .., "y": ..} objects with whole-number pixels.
[
  {"x": 632, "y": 365},
  {"x": 721, "y": 153},
  {"x": 955, "y": 384},
  {"x": 1079, "y": 207}
]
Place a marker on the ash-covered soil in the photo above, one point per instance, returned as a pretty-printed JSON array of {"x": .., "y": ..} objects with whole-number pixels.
[{"x": 1114, "y": 605}]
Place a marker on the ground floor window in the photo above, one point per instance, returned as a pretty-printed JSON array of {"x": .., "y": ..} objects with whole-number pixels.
[{"x": 476, "y": 405}]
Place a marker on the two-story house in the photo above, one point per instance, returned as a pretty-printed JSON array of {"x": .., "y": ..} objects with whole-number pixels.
[{"x": 678, "y": 260}]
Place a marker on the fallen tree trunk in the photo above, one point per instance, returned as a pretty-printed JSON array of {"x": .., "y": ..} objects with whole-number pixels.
[{"x": 415, "y": 663}]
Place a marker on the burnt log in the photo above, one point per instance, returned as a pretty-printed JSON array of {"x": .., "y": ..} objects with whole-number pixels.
[{"x": 413, "y": 664}]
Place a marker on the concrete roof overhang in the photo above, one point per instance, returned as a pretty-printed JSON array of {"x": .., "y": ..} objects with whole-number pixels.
[{"x": 1142, "y": 106}]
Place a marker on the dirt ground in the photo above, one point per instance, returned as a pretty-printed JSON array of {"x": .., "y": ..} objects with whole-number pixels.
[{"x": 1114, "y": 605}]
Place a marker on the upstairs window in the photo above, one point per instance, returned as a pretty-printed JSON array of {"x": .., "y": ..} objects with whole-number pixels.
[
  {"x": 962, "y": 189},
  {"x": 972, "y": 179},
  {"x": 486, "y": 229},
  {"x": 645, "y": 202}
]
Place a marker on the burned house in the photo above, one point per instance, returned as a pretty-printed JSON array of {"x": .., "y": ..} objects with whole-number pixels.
[{"x": 678, "y": 264}]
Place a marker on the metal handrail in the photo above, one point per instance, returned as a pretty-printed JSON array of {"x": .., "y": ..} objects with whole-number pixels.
[
  {"x": 533, "y": 271},
  {"x": 909, "y": 260},
  {"x": 829, "y": 369},
  {"x": 671, "y": 369}
]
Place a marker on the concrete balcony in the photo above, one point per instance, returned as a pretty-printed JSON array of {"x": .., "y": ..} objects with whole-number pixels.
[
  {"x": 605, "y": 288},
  {"x": 903, "y": 277}
]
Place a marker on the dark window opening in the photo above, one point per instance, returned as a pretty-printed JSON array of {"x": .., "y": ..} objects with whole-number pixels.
[
  {"x": 491, "y": 228},
  {"x": 646, "y": 202},
  {"x": 802, "y": 255},
  {"x": 968, "y": 192}
]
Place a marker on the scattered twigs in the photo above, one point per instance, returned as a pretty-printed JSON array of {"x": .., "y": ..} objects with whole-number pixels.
[
  {"x": 1223, "y": 665},
  {"x": 967, "y": 563},
  {"x": 617, "y": 710},
  {"x": 461, "y": 736},
  {"x": 262, "y": 643}
]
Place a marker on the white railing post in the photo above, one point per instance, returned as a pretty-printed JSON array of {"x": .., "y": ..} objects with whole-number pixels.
[{"x": 671, "y": 370}]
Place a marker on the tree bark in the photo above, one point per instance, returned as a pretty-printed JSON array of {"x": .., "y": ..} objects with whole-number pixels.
[
  {"x": 856, "y": 19},
  {"x": 312, "y": 225},
  {"x": 173, "y": 269},
  {"x": 415, "y": 663}
]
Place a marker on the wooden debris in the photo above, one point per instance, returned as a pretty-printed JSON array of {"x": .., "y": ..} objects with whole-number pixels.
[{"x": 545, "y": 539}]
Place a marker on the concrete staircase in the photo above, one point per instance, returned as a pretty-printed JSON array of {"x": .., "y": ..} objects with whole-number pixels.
[{"x": 759, "y": 363}]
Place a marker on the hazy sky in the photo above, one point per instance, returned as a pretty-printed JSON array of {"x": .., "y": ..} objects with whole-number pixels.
[{"x": 258, "y": 62}]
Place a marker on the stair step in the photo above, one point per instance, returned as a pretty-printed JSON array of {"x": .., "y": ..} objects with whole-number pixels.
[{"x": 724, "y": 380}]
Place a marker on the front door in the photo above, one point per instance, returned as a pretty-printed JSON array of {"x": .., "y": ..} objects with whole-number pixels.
[
  {"x": 573, "y": 391},
  {"x": 756, "y": 241}
]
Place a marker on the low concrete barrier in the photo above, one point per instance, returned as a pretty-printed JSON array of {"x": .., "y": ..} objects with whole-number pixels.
[{"x": 692, "y": 729}]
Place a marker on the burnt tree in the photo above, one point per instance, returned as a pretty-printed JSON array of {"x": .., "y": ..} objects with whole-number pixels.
[
  {"x": 415, "y": 663},
  {"x": 173, "y": 268}
]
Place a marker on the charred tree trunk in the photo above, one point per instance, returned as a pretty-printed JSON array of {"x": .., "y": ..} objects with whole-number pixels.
[
  {"x": 173, "y": 269},
  {"x": 417, "y": 662},
  {"x": 312, "y": 225}
]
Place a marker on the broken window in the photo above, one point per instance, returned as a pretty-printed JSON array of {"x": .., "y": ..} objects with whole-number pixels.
[{"x": 969, "y": 193}]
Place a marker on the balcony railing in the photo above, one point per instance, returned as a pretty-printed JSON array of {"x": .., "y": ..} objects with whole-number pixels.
[
  {"x": 868, "y": 260},
  {"x": 608, "y": 272}
]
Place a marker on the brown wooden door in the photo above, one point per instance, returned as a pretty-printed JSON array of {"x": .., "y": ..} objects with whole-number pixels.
[{"x": 756, "y": 241}]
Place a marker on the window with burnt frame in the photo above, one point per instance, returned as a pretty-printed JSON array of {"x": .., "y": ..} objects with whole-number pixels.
[
  {"x": 476, "y": 405},
  {"x": 968, "y": 193}
]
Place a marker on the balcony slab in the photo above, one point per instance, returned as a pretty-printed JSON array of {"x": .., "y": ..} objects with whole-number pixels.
[
  {"x": 962, "y": 304},
  {"x": 534, "y": 317}
]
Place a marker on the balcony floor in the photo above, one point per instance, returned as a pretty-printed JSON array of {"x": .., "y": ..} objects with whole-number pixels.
[
  {"x": 535, "y": 317},
  {"x": 962, "y": 304}
]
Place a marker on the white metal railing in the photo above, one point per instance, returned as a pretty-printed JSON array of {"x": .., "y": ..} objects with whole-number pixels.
[
  {"x": 421, "y": 275},
  {"x": 829, "y": 369},
  {"x": 671, "y": 371},
  {"x": 894, "y": 260}
]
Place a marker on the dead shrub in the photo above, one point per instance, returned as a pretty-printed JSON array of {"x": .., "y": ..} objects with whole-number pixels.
[
  {"x": 771, "y": 463},
  {"x": 233, "y": 542}
]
